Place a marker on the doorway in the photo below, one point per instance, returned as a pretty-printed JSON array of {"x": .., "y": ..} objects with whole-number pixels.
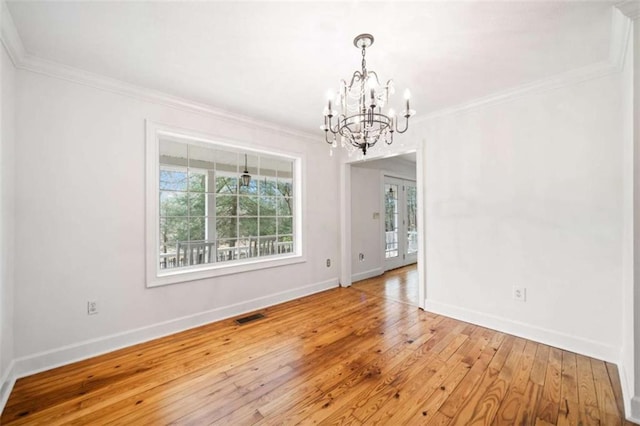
[
  {"x": 400, "y": 222},
  {"x": 363, "y": 225}
]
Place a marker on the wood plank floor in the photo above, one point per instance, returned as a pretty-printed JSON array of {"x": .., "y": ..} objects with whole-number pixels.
[
  {"x": 399, "y": 284},
  {"x": 344, "y": 356}
]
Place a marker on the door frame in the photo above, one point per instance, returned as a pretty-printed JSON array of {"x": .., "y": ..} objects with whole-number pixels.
[{"x": 345, "y": 222}]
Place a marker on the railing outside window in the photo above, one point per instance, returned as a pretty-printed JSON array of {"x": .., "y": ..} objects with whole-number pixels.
[
  {"x": 202, "y": 252},
  {"x": 207, "y": 214}
]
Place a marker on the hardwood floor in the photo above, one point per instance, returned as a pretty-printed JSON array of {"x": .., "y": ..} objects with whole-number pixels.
[
  {"x": 398, "y": 284},
  {"x": 347, "y": 355}
]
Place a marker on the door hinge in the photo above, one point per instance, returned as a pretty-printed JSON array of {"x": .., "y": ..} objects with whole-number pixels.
[{"x": 404, "y": 257}]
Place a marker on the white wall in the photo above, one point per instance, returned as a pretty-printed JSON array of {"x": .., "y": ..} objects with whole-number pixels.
[
  {"x": 80, "y": 200},
  {"x": 528, "y": 192},
  {"x": 7, "y": 132},
  {"x": 366, "y": 232}
]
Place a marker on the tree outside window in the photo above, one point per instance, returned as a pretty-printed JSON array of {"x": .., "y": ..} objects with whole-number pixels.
[{"x": 207, "y": 215}]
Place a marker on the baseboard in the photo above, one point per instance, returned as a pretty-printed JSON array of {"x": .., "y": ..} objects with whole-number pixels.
[
  {"x": 549, "y": 337},
  {"x": 367, "y": 274},
  {"x": 627, "y": 391},
  {"x": 631, "y": 402},
  {"x": 633, "y": 415},
  {"x": 43, "y": 361},
  {"x": 6, "y": 385}
]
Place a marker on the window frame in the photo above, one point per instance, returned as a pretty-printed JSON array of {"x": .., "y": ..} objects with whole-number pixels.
[{"x": 155, "y": 276}]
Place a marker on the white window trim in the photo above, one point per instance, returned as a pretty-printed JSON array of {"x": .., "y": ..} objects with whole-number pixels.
[{"x": 154, "y": 275}]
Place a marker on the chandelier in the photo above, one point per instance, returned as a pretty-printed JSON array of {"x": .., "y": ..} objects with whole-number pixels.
[{"x": 360, "y": 122}]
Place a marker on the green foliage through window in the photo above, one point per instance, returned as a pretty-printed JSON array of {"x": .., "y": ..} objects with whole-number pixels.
[{"x": 207, "y": 215}]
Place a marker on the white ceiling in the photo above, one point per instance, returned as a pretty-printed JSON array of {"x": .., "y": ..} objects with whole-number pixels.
[{"x": 275, "y": 60}]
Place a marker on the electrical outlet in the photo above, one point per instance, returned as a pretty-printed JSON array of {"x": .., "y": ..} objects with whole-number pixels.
[
  {"x": 361, "y": 257},
  {"x": 520, "y": 294},
  {"x": 328, "y": 263},
  {"x": 92, "y": 307}
]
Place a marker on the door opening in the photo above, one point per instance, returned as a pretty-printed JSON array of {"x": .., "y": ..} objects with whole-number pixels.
[{"x": 363, "y": 239}]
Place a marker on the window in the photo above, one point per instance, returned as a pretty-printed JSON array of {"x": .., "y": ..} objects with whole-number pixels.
[{"x": 208, "y": 220}]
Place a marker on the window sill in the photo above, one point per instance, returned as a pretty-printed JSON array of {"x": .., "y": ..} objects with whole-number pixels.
[{"x": 164, "y": 277}]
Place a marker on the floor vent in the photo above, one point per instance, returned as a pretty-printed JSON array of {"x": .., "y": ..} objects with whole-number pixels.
[{"x": 249, "y": 318}]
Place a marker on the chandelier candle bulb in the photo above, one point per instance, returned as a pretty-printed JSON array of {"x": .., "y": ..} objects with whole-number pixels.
[
  {"x": 330, "y": 97},
  {"x": 407, "y": 96}
]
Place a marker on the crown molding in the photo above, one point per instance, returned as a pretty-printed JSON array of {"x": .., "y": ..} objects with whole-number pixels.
[
  {"x": 599, "y": 69},
  {"x": 631, "y": 8},
  {"x": 64, "y": 72},
  {"x": 620, "y": 34},
  {"x": 619, "y": 40},
  {"x": 622, "y": 14},
  {"x": 25, "y": 61},
  {"x": 9, "y": 35}
]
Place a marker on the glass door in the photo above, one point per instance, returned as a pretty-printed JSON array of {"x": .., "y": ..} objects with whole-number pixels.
[
  {"x": 400, "y": 222},
  {"x": 392, "y": 255},
  {"x": 411, "y": 221}
]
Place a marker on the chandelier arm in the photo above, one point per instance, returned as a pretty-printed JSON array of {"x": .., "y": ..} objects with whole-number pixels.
[
  {"x": 357, "y": 76},
  {"x": 329, "y": 126},
  {"x": 390, "y": 140},
  {"x": 406, "y": 127},
  {"x": 326, "y": 138}
]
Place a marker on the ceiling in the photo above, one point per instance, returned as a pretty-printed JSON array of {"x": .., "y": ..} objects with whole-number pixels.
[{"x": 275, "y": 61}]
